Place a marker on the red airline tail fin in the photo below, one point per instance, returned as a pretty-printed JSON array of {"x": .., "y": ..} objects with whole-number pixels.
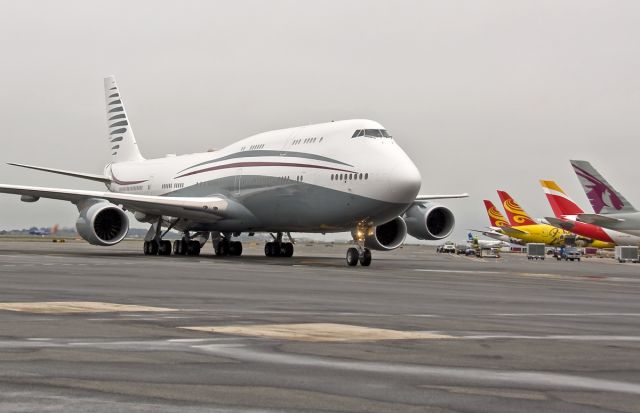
[
  {"x": 560, "y": 202},
  {"x": 495, "y": 217},
  {"x": 516, "y": 215}
]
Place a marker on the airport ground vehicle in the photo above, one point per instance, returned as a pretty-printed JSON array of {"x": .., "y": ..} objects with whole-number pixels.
[
  {"x": 567, "y": 254},
  {"x": 626, "y": 254},
  {"x": 535, "y": 250},
  {"x": 447, "y": 247}
]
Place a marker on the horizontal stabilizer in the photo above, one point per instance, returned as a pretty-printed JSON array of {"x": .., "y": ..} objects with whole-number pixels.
[
  {"x": 81, "y": 175},
  {"x": 431, "y": 197},
  {"x": 559, "y": 223},
  {"x": 598, "y": 219}
]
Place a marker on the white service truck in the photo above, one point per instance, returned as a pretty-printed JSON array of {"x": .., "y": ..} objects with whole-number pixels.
[
  {"x": 536, "y": 251},
  {"x": 626, "y": 253}
]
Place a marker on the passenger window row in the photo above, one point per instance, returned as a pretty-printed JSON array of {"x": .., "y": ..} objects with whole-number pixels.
[
  {"x": 131, "y": 188},
  {"x": 349, "y": 177},
  {"x": 306, "y": 140},
  {"x": 169, "y": 186},
  {"x": 371, "y": 133}
]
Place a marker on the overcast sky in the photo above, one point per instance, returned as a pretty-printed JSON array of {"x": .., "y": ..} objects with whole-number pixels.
[{"x": 481, "y": 94}]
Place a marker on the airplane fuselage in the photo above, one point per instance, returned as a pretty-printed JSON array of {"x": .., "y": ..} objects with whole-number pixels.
[{"x": 315, "y": 178}]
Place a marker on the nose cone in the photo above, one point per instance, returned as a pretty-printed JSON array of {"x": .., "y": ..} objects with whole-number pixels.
[{"x": 404, "y": 180}]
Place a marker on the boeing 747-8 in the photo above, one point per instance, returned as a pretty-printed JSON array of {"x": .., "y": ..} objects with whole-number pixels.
[{"x": 338, "y": 176}]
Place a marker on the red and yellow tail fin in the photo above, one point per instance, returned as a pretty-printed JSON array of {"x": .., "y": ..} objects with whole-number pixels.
[
  {"x": 495, "y": 217},
  {"x": 516, "y": 215},
  {"x": 560, "y": 202}
]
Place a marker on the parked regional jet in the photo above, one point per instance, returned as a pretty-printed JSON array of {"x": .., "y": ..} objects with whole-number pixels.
[
  {"x": 612, "y": 210},
  {"x": 331, "y": 177},
  {"x": 566, "y": 210}
]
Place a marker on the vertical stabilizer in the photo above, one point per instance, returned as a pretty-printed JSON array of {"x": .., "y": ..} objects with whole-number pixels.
[
  {"x": 516, "y": 215},
  {"x": 603, "y": 197},
  {"x": 560, "y": 202},
  {"x": 495, "y": 217},
  {"x": 122, "y": 143}
]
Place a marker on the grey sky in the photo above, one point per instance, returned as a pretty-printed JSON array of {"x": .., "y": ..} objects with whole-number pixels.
[{"x": 481, "y": 94}]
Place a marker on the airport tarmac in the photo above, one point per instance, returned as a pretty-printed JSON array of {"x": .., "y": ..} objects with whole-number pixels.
[{"x": 100, "y": 329}]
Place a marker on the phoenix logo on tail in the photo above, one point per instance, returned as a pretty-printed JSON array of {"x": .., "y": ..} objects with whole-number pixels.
[
  {"x": 495, "y": 217},
  {"x": 515, "y": 213}
]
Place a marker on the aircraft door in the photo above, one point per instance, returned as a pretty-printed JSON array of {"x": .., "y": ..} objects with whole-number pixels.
[{"x": 237, "y": 182}]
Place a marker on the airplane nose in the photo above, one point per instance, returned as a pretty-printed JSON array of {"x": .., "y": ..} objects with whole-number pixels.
[{"x": 404, "y": 181}]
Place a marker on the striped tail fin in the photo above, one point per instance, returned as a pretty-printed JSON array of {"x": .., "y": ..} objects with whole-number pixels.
[
  {"x": 560, "y": 202},
  {"x": 495, "y": 217},
  {"x": 121, "y": 140},
  {"x": 516, "y": 215}
]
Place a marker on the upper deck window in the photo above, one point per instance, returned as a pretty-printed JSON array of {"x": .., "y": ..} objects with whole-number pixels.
[{"x": 371, "y": 133}]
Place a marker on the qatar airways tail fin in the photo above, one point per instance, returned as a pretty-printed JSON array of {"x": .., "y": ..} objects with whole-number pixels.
[
  {"x": 495, "y": 217},
  {"x": 516, "y": 215},
  {"x": 121, "y": 140},
  {"x": 560, "y": 202},
  {"x": 603, "y": 197}
]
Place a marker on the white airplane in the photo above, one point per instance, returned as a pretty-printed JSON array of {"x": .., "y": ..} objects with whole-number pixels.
[
  {"x": 485, "y": 243},
  {"x": 331, "y": 177}
]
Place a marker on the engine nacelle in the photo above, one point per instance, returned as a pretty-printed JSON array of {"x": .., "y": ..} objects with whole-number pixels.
[
  {"x": 429, "y": 221},
  {"x": 102, "y": 223},
  {"x": 388, "y": 236}
]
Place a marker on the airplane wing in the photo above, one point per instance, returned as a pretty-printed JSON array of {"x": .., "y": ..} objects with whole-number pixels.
[
  {"x": 511, "y": 231},
  {"x": 431, "y": 197},
  {"x": 598, "y": 219},
  {"x": 92, "y": 177},
  {"x": 193, "y": 208}
]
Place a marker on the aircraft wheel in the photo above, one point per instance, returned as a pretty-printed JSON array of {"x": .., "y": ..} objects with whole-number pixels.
[
  {"x": 180, "y": 247},
  {"x": 151, "y": 248},
  {"x": 365, "y": 258},
  {"x": 352, "y": 257},
  {"x": 164, "y": 248},
  {"x": 288, "y": 250},
  {"x": 267, "y": 249},
  {"x": 145, "y": 248},
  {"x": 193, "y": 248},
  {"x": 235, "y": 248}
]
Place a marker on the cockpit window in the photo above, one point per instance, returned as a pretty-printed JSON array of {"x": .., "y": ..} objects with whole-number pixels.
[{"x": 371, "y": 133}]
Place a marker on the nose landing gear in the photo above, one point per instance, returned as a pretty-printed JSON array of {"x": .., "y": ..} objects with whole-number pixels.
[{"x": 359, "y": 253}]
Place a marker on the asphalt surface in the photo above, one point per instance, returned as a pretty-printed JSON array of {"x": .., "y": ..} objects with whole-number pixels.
[{"x": 500, "y": 335}]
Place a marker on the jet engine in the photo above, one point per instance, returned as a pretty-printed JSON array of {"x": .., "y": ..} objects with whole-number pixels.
[
  {"x": 102, "y": 223},
  {"x": 429, "y": 221},
  {"x": 388, "y": 236}
]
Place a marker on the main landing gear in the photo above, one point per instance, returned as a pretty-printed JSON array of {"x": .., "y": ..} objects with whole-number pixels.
[
  {"x": 155, "y": 245},
  {"x": 359, "y": 253},
  {"x": 225, "y": 247},
  {"x": 180, "y": 247},
  {"x": 277, "y": 248}
]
